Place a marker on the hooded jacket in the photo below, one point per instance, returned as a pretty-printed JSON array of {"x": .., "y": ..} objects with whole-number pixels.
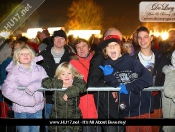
[
  {"x": 28, "y": 100},
  {"x": 129, "y": 71},
  {"x": 65, "y": 109}
]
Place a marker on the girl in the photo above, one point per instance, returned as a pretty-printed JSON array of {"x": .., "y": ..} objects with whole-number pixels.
[
  {"x": 66, "y": 102},
  {"x": 131, "y": 76},
  {"x": 168, "y": 96},
  {"x": 23, "y": 71}
]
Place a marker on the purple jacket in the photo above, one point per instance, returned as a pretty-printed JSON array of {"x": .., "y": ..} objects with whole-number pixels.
[{"x": 29, "y": 100}]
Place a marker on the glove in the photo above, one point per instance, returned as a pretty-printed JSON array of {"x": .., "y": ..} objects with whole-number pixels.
[
  {"x": 107, "y": 70},
  {"x": 123, "y": 89}
]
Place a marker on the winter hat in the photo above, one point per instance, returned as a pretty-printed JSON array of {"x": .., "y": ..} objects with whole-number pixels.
[
  {"x": 109, "y": 39},
  {"x": 60, "y": 33}
]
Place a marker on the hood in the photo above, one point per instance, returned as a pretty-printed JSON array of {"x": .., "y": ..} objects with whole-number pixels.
[
  {"x": 168, "y": 68},
  {"x": 11, "y": 66}
]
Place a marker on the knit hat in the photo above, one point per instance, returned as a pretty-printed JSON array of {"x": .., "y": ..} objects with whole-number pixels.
[
  {"x": 109, "y": 39},
  {"x": 60, "y": 33}
]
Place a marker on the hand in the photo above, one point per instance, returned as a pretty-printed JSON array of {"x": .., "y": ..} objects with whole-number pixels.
[
  {"x": 115, "y": 96},
  {"x": 107, "y": 69},
  {"x": 65, "y": 97},
  {"x": 123, "y": 89}
]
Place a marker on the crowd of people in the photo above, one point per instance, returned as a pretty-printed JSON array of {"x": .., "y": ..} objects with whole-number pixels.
[{"x": 61, "y": 61}]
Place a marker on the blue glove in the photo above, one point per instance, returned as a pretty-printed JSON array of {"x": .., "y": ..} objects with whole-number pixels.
[
  {"x": 123, "y": 89},
  {"x": 107, "y": 70}
]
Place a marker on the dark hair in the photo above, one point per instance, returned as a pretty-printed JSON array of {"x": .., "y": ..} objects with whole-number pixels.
[
  {"x": 79, "y": 40},
  {"x": 142, "y": 28},
  {"x": 123, "y": 51}
]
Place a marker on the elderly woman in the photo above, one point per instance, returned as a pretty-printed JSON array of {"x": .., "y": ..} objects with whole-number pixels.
[{"x": 81, "y": 62}]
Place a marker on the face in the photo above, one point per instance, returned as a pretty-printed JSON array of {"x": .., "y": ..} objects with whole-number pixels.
[
  {"x": 25, "y": 57},
  {"x": 59, "y": 42},
  {"x": 144, "y": 40},
  {"x": 67, "y": 77},
  {"x": 172, "y": 36},
  {"x": 16, "y": 46},
  {"x": 128, "y": 47},
  {"x": 113, "y": 50},
  {"x": 82, "y": 49}
]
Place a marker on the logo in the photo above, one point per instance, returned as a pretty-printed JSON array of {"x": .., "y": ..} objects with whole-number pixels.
[
  {"x": 19, "y": 15},
  {"x": 157, "y": 11}
]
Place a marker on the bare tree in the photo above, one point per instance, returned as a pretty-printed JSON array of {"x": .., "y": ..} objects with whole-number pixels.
[{"x": 84, "y": 14}]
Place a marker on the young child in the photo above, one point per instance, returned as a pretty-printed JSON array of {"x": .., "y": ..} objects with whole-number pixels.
[
  {"x": 126, "y": 72},
  {"x": 23, "y": 71},
  {"x": 66, "y": 102},
  {"x": 168, "y": 96}
]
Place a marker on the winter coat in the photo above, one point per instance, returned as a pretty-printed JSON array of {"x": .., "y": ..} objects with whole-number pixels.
[
  {"x": 48, "y": 63},
  {"x": 3, "y": 72},
  {"x": 129, "y": 71},
  {"x": 87, "y": 104},
  {"x": 29, "y": 100},
  {"x": 5, "y": 52},
  {"x": 62, "y": 109},
  {"x": 158, "y": 76},
  {"x": 105, "y": 103},
  {"x": 168, "y": 96}
]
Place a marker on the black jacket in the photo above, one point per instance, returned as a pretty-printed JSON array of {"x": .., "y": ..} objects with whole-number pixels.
[
  {"x": 158, "y": 76},
  {"x": 129, "y": 71}
]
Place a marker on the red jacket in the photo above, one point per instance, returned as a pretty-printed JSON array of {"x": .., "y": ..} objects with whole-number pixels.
[{"x": 87, "y": 104}]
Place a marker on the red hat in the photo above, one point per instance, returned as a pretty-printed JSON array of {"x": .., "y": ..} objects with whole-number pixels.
[{"x": 109, "y": 39}]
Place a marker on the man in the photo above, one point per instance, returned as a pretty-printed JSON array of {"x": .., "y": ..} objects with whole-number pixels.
[
  {"x": 165, "y": 45},
  {"x": 104, "y": 99},
  {"x": 52, "y": 58},
  {"x": 150, "y": 58},
  {"x": 45, "y": 40}
]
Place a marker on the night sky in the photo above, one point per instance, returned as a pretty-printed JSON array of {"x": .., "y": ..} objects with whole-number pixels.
[{"x": 53, "y": 13}]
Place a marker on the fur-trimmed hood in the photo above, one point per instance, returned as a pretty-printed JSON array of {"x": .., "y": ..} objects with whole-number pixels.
[
  {"x": 168, "y": 68},
  {"x": 12, "y": 65}
]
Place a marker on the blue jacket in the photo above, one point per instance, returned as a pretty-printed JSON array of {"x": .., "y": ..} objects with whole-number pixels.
[
  {"x": 3, "y": 74},
  {"x": 129, "y": 71}
]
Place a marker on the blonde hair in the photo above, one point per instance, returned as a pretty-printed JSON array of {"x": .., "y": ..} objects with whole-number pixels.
[
  {"x": 17, "y": 52},
  {"x": 63, "y": 67}
]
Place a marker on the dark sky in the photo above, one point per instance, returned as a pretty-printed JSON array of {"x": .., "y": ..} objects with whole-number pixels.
[{"x": 53, "y": 13}]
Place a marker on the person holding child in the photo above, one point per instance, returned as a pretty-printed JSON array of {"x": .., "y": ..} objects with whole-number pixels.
[
  {"x": 23, "y": 71},
  {"x": 66, "y": 102}
]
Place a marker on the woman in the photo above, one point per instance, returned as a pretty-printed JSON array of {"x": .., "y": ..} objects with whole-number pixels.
[{"x": 81, "y": 63}]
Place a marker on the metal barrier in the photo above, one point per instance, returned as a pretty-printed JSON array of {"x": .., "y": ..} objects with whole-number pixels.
[{"x": 93, "y": 89}]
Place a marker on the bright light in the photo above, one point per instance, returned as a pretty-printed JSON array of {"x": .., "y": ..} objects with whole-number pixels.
[
  {"x": 86, "y": 34},
  {"x": 163, "y": 34},
  {"x": 5, "y": 34},
  {"x": 32, "y": 32},
  {"x": 52, "y": 29}
]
